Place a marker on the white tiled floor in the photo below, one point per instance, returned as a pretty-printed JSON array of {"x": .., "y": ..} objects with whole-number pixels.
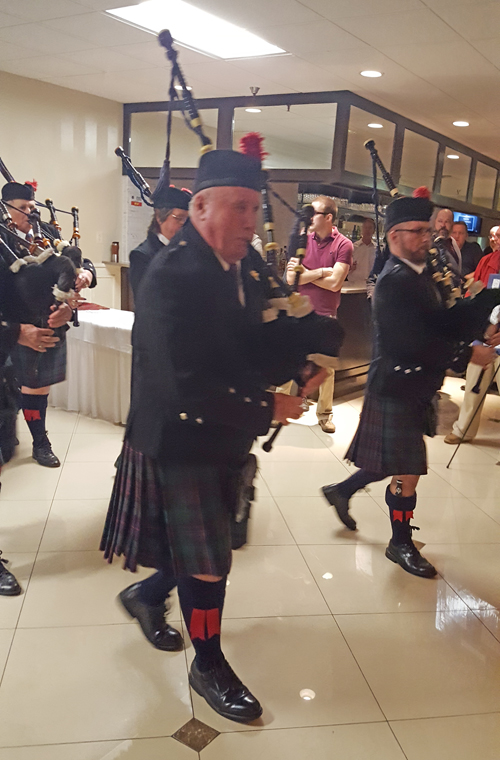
[{"x": 399, "y": 667}]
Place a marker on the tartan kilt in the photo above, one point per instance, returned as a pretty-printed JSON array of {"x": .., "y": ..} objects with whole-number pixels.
[
  {"x": 174, "y": 516},
  {"x": 36, "y": 370},
  {"x": 389, "y": 438}
]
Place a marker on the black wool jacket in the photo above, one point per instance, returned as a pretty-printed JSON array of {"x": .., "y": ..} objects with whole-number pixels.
[{"x": 140, "y": 259}]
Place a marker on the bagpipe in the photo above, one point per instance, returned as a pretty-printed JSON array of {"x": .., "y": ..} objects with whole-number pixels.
[
  {"x": 319, "y": 337},
  {"x": 44, "y": 270}
]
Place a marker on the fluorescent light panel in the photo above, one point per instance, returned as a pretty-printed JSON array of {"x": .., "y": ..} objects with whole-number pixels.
[{"x": 196, "y": 28}]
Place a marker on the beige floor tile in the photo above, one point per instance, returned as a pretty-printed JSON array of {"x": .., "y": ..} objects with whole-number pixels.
[
  {"x": 356, "y": 579},
  {"x": 278, "y": 658},
  {"x": 77, "y": 589},
  {"x": 261, "y": 489},
  {"x": 490, "y": 506},
  {"x": 313, "y": 521},
  {"x": 90, "y": 425},
  {"x": 267, "y": 526},
  {"x": 472, "y": 570},
  {"x": 491, "y": 619},
  {"x": 6, "y": 637},
  {"x": 60, "y": 444},
  {"x": 24, "y": 480},
  {"x": 439, "y": 452},
  {"x": 10, "y": 606},
  {"x": 74, "y": 524},
  {"x": 90, "y": 684},
  {"x": 452, "y": 520},
  {"x": 460, "y": 738},
  {"x": 130, "y": 749},
  {"x": 95, "y": 447},
  {"x": 429, "y": 486},
  {"x": 373, "y": 740},
  {"x": 473, "y": 481},
  {"x": 268, "y": 581},
  {"x": 60, "y": 421},
  {"x": 295, "y": 431},
  {"x": 22, "y": 524},
  {"x": 78, "y": 482},
  {"x": 301, "y": 478},
  {"x": 296, "y": 450},
  {"x": 447, "y": 661}
]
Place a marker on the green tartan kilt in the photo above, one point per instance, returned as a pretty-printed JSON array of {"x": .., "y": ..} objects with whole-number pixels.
[
  {"x": 171, "y": 516},
  {"x": 37, "y": 370}
]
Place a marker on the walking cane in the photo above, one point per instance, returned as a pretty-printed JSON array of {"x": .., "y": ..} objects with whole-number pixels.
[{"x": 472, "y": 418}]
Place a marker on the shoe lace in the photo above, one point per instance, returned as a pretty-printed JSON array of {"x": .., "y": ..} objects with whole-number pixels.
[
  {"x": 414, "y": 527},
  {"x": 3, "y": 559}
]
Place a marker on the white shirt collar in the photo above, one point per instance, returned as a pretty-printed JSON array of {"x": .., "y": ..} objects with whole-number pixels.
[
  {"x": 224, "y": 264},
  {"x": 163, "y": 239},
  {"x": 418, "y": 268}
]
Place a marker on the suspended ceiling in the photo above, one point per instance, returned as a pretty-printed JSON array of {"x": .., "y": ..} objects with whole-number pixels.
[{"x": 440, "y": 58}]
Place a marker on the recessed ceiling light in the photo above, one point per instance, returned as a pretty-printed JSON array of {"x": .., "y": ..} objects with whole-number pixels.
[
  {"x": 460, "y": 123},
  {"x": 307, "y": 694},
  {"x": 327, "y": 576},
  {"x": 196, "y": 28},
  {"x": 253, "y": 110},
  {"x": 452, "y": 155},
  {"x": 371, "y": 74},
  {"x": 179, "y": 87},
  {"x": 374, "y": 125}
]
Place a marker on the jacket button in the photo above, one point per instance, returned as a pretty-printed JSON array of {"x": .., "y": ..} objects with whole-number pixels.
[
  {"x": 199, "y": 421},
  {"x": 183, "y": 416},
  {"x": 247, "y": 400},
  {"x": 418, "y": 369},
  {"x": 397, "y": 368},
  {"x": 232, "y": 390},
  {"x": 407, "y": 371},
  {"x": 264, "y": 403}
]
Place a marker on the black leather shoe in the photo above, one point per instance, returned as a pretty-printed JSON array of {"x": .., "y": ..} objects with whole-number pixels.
[
  {"x": 44, "y": 455},
  {"x": 225, "y": 693},
  {"x": 152, "y": 620},
  {"x": 341, "y": 505},
  {"x": 8, "y": 584},
  {"x": 409, "y": 558}
]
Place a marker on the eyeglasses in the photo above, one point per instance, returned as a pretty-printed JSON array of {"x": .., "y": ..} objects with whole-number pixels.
[
  {"x": 321, "y": 213},
  {"x": 420, "y": 233},
  {"x": 180, "y": 219}
]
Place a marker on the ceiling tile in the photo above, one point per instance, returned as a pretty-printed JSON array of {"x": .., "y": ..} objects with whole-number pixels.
[
  {"x": 107, "y": 5},
  {"x": 446, "y": 64},
  {"x": 39, "y": 10},
  {"x": 293, "y": 72},
  {"x": 106, "y": 59},
  {"x": 489, "y": 49},
  {"x": 415, "y": 27},
  {"x": 334, "y": 9},
  {"x": 301, "y": 38},
  {"x": 42, "y": 38},
  {"x": 99, "y": 29},
  {"x": 10, "y": 52},
  {"x": 230, "y": 76},
  {"x": 44, "y": 66},
  {"x": 473, "y": 20},
  {"x": 6, "y": 19}
]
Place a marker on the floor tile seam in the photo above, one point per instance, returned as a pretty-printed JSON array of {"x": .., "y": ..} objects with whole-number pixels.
[
  {"x": 185, "y": 635},
  {"x": 474, "y": 611},
  {"x": 275, "y": 502},
  {"x": 443, "y": 717},
  {"x": 346, "y": 642},
  {"x": 262, "y": 729},
  {"x": 2, "y": 671},
  {"x": 431, "y": 468},
  {"x": 86, "y": 741},
  {"x": 400, "y": 613}
]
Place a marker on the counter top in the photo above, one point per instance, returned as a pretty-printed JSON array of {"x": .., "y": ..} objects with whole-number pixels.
[{"x": 353, "y": 288}]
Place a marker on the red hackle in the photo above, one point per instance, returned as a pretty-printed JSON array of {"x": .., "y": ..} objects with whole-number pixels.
[
  {"x": 33, "y": 183},
  {"x": 422, "y": 192},
  {"x": 251, "y": 144}
]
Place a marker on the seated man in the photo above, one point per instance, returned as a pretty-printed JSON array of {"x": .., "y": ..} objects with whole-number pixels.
[{"x": 471, "y": 252}]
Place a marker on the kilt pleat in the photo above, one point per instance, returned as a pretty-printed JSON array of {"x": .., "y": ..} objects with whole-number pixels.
[
  {"x": 172, "y": 516},
  {"x": 37, "y": 370},
  {"x": 389, "y": 437}
]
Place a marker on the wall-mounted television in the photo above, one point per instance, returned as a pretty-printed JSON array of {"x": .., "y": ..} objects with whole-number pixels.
[{"x": 472, "y": 221}]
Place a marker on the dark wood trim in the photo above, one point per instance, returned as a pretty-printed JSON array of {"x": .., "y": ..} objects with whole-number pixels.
[
  {"x": 470, "y": 184},
  {"x": 225, "y": 118},
  {"x": 127, "y": 134},
  {"x": 438, "y": 172},
  {"x": 340, "y": 140},
  {"x": 397, "y": 153},
  {"x": 497, "y": 192}
]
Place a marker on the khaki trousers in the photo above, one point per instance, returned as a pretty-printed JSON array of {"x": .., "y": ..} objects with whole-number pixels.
[
  {"x": 472, "y": 400},
  {"x": 325, "y": 399}
]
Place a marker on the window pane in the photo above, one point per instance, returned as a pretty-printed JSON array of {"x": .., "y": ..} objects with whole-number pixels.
[
  {"x": 484, "y": 185},
  {"x": 299, "y": 138},
  {"x": 357, "y": 157},
  {"x": 418, "y": 162},
  {"x": 455, "y": 174},
  {"x": 149, "y": 138}
]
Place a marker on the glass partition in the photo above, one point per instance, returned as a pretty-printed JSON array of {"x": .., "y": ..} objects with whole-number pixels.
[
  {"x": 456, "y": 170},
  {"x": 149, "y": 138},
  {"x": 365, "y": 126},
  {"x": 418, "y": 162},
  {"x": 484, "y": 185},
  {"x": 295, "y": 137}
]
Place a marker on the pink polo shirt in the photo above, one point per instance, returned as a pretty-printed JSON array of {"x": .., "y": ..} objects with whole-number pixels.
[{"x": 325, "y": 253}]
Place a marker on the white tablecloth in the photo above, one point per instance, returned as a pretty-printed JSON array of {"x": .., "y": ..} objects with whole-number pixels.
[{"x": 99, "y": 363}]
